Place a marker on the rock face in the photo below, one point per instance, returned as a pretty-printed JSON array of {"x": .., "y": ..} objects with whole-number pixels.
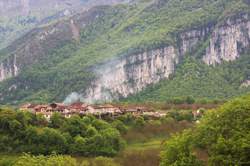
[
  {"x": 188, "y": 40},
  {"x": 8, "y": 68},
  {"x": 245, "y": 84},
  {"x": 124, "y": 76},
  {"x": 229, "y": 40},
  {"x": 129, "y": 75}
]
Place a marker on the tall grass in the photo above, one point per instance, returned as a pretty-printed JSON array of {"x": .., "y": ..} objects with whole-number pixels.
[
  {"x": 155, "y": 130},
  {"x": 146, "y": 157}
]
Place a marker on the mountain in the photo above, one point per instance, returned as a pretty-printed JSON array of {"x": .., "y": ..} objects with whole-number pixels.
[
  {"x": 11, "y": 8},
  {"x": 163, "y": 48},
  {"x": 19, "y": 16}
]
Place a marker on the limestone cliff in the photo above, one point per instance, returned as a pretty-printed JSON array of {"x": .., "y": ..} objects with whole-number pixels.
[
  {"x": 128, "y": 75},
  {"x": 229, "y": 40},
  {"x": 8, "y": 68},
  {"x": 125, "y": 76}
]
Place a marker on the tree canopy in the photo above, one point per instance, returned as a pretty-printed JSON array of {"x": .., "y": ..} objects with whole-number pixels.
[{"x": 221, "y": 138}]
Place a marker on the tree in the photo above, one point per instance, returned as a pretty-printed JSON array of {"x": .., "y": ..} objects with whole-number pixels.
[
  {"x": 177, "y": 152},
  {"x": 79, "y": 146},
  {"x": 56, "y": 120},
  {"x": 120, "y": 126},
  {"x": 91, "y": 131},
  {"x": 75, "y": 126},
  {"x": 112, "y": 142},
  {"x": 6, "y": 116},
  {"x": 40, "y": 120},
  {"x": 51, "y": 140},
  {"x": 127, "y": 119},
  {"x": 190, "y": 100},
  {"x": 100, "y": 124},
  {"x": 139, "y": 122},
  {"x": 223, "y": 135},
  {"x": 87, "y": 120}
]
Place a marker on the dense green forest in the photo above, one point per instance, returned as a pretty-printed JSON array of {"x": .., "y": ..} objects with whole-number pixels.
[
  {"x": 118, "y": 31},
  {"x": 85, "y": 136},
  {"x": 221, "y": 138},
  {"x": 25, "y": 132}
]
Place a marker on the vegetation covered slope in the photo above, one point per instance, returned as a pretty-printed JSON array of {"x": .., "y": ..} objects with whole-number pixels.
[
  {"x": 18, "y": 17},
  {"x": 221, "y": 138},
  {"x": 124, "y": 29}
]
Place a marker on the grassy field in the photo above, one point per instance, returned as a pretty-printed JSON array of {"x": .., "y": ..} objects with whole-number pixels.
[{"x": 136, "y": 154}]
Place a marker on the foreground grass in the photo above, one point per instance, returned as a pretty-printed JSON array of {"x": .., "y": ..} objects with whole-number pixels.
[
  {"x": 8, "y": 159},
  {"x": 141, "y": 153},
  {"x": 135, "y": 154},
  {"x": 144, "y": 144}
]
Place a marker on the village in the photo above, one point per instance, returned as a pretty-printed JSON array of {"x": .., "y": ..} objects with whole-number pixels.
[{"x": 83, "y": 109}]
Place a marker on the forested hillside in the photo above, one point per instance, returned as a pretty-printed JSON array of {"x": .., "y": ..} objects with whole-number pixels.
[
  {"x": 125, "y": 33},
  {"x": 18, "y": 17}
]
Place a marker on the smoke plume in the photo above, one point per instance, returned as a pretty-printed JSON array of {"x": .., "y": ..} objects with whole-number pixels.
[{"x": 72, "y": 98}]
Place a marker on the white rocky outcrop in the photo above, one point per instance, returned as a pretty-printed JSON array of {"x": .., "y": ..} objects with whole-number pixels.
[
  {"x": 129, "y": 75},
  {"x": 8, "y": 68},
  {"x": 245, "y": 84},
  {"x": 228, "y": 41},
  {"x": 188, "y": 40}
]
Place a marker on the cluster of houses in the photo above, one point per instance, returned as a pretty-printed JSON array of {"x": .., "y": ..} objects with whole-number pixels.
[{"x": 85, "y": 109}]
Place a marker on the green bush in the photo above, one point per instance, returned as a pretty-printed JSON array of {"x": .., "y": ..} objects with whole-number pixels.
[
  {"x": 221, "y": 138},
  {"x": 53, "y": 160},
  {"x": 88, "y": 136}
]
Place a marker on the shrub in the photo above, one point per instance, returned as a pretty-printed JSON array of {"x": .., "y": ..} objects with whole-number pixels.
[
  {"x": 221, "y": 138},
  {"x": 53, "y": 160}
]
